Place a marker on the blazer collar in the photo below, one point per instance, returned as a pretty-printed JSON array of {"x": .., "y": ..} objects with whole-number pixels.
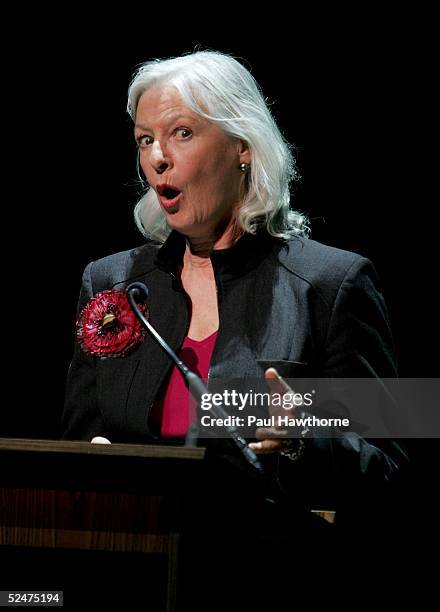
[{"x": 230, "y": 263}]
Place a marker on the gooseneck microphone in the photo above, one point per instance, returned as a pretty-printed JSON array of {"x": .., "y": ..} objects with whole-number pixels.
[{"x": 138, "y": 291}]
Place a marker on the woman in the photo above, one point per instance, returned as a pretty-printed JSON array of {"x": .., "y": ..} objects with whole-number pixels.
[{"x": 234, "y": 282}]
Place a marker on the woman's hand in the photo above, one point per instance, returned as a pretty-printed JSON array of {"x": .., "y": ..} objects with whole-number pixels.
[
  {"x": 99, "y": 440},
  {"x": 274, "y": 439}
]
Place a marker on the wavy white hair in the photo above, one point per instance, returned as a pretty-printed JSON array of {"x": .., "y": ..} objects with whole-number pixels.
[{"x": 218, "y": 88}]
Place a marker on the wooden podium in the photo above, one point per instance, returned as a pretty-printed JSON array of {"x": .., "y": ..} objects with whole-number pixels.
[{"x": 70, "y": 507}]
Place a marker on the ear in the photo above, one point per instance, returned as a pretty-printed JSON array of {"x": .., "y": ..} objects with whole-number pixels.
[{"x": 244, "y": 152}]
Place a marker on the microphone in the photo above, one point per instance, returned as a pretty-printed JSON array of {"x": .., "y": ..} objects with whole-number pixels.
[{"x": 139, "y": 291}]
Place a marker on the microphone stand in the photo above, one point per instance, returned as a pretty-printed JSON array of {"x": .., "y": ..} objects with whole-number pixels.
[
  {"x": 279, "y": 505},
  {"x": 195, "y": 384},
  {"x": 271, "y": 492}
]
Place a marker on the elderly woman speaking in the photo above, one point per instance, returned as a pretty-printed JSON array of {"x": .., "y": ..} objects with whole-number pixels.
[{"x": 236, "y": 287}]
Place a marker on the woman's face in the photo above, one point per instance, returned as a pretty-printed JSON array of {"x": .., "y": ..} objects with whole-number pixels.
[{"x": 194, "y": 157}]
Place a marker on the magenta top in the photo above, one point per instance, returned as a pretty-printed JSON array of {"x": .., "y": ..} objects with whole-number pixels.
[{"x": 178, "y": 408}]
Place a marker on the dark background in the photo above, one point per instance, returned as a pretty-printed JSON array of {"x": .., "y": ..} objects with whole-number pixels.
[
  {"x": 355, "y": 101},
  {"x": 353, "y": 91}
]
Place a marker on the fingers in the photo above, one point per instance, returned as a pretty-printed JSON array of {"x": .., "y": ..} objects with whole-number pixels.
[
  {"x": 268, "y": 446},
  {"x": 263, "y": 433},
  {"x": 99, "y": 440},
  {"x": 276, "y": 383},
  {"x": 273, "y": 439}
]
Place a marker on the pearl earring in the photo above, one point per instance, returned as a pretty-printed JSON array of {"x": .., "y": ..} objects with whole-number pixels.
[{"x": 244, "y": 167}]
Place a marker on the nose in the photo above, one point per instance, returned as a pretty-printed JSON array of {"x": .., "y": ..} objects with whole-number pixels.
[{"x": 158, "y": 160}]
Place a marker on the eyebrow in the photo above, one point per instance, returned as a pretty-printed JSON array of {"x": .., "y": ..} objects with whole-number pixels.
[{"x": 141, "y": 126}]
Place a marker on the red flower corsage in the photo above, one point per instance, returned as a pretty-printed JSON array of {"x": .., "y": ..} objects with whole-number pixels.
[{"x": 108, "y": 327}]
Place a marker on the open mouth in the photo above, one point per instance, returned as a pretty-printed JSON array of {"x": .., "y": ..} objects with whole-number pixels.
[{"x": 169, "y": 195}]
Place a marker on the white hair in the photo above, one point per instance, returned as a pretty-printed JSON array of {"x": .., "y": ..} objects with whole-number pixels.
[{"x": 218, "y": 88}]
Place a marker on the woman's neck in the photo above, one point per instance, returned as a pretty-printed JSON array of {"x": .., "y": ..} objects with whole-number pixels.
[{"x": 200, "y": 247}]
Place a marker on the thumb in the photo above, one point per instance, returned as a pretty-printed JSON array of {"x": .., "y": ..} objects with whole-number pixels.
[{"x": 275, "y": 382}]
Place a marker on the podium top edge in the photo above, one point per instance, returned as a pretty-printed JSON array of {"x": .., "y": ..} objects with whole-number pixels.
[{"x": 122, "y": 450}]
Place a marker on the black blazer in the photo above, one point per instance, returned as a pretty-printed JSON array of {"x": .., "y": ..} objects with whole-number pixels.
[{"x": 303, "y": 307}]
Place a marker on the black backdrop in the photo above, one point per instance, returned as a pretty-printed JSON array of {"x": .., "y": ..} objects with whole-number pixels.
[
  {"x": 353, "y": 92},
  {"x": 355, "y": 103}
]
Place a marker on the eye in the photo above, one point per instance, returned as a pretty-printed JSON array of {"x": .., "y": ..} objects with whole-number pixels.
[
  {"x": 144, "y": 141},
  {"x": 183, "y": 133}
]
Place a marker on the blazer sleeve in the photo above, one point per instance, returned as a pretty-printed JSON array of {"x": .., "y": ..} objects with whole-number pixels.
[
  {"x": 358, "y": 344},
  {"x": 82, "y": 418}
]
